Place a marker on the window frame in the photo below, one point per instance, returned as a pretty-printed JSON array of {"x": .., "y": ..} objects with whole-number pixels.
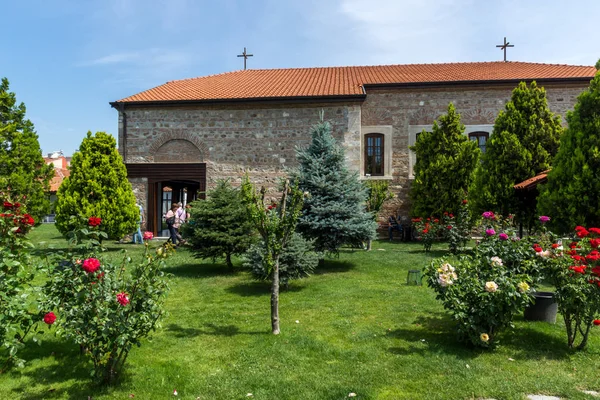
[
  {"x": 374, "y": 136},
  {"x": 387, "y": 141},
  {"x": 478, "y": 134}
]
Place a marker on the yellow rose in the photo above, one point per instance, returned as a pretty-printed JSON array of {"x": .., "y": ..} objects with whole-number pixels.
[
  {"x": 484, "y": 337},
  {"x": 523, "y": 287}
]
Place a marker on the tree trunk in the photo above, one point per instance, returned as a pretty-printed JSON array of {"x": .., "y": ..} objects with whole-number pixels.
[
  {"x": 228, "y": 260},
  {"x": 275, "y": 298},
  {"x": 369, "y": 245}
]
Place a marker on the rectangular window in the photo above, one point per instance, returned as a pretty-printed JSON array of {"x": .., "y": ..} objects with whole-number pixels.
[
  {"x": 374, "y": 154},
  {"x": 481, "y": 139}
]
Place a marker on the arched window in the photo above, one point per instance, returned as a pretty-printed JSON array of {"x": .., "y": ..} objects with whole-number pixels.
[
  {"x": 374, "y": 154},
  {"x": 481, "y": 138}
]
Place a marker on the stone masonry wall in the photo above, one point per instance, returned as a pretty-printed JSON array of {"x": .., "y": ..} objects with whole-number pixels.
[{"x": 260, "y": 140}]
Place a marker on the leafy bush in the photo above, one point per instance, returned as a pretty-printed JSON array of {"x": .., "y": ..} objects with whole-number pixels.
[
  {"x": 576, "y": 277},
  {"x": 298, "y": 260},
  {"x": 97, "y": 186},
  {"x": 106, "y": 308},
  {"x": 483, "y": 291},
  {"x": 524, "y": 142},
  {"x": 572, "y": 193},
  {"x": 220, "y": 226},
  {"x": 446, "y": 161},
  {"x": 16, "y": 275},
  {"x": 459, "y": 227},
  {"x": 429, "y": 230}
]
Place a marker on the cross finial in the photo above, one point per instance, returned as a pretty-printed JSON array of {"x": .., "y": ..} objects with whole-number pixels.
[
  {"x": 504, "y": 46},
  {"x": 245, "y": 55}
]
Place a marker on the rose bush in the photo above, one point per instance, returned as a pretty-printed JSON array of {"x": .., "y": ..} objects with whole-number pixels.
[
  {"x": 576, "y": 276},
  {"x": 480, "y": 293},
  {"x": 105, "y": 307},
  {"x": 17, "y": 297}
]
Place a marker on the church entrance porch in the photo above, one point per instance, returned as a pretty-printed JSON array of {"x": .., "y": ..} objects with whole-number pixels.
[{"x": 167, "y": 184}]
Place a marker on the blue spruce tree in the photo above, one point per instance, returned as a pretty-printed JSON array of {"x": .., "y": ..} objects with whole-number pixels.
[{"x": 334, "y": 213}]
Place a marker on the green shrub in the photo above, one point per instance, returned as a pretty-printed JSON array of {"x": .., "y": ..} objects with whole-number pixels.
[
  {"x": 524, "y": 142},
  {"x": 105, "y": 307},
  {"x": 572, "y": 193},
  {"x": 298, "y": 260},
  {"x": 446, "y": 161},
  {"x": 220, "y": 226},
  {"x": 97, "y": 186}
]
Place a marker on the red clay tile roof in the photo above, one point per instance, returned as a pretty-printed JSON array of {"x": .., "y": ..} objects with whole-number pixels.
[
  {"x": 59, "y": 175},
  {"x": 532, "y": 182},
  {"x": 347, "y": 81}
]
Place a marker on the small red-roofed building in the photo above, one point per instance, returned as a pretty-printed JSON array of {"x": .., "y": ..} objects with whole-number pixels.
[{"x": 61, "y": 171}]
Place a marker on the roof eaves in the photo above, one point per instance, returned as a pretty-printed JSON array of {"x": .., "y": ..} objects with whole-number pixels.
[{"x": 266, "y": 100}]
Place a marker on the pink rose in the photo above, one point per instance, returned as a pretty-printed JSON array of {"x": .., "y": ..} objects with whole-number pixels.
[{"x": 91, "y": 265}]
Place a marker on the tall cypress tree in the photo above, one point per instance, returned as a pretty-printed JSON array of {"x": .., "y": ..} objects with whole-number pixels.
[
  {"x": 572, "y": 194},
  {"x": 524, "y": 142},
  {"x": 446, "y": 161},
  {"x": 97, "y": 187},
  {"x": 334, "y": 213},
  {"x": 22, "y": 167}
]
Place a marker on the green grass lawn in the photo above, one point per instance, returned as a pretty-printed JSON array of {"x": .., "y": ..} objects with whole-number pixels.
[{"x": 354, "y": 326}]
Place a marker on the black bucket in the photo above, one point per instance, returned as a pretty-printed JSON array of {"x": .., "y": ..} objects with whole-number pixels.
[{"x": 544, "y": 308}]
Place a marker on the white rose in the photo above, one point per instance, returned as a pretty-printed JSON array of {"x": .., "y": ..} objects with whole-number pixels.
[{"x": 491, "y": 286}]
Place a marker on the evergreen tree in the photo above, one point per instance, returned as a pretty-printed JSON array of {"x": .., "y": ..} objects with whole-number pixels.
[
  {"x": 446, "y": 161},
  {"x": 97, "y": 187},
  {"x": 220, "y": 225},
  {"x": 525, "y": 139},
  {"x": 572, "y": 194},
  {"x": 22, "y": 167},
  {"x": 334, "y": 214}
]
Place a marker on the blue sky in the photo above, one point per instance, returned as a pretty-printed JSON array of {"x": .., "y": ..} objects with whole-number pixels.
[{"x": 66, "y": 59}]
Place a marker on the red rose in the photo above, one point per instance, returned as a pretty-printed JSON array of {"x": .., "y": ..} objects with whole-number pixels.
[
  {"x": 580, "y": 269},
  {"x": 27, "y": 219},
  {"x": 148, "y": 235},
  {"x": 425, "y": 231},
  {"x": 582, "y": 233},
  {"x": 579, "y": 228},
  {"x": 596, "y": 271},
  {"x": 595, "y": 230},
  {"x": 595, "y": 243},
  {"x": 94, "y": 221},
  {"x": 123, "y": 299},
  {"x": 435, "y": 221},
  {"x": 555, "y": 245},
  {"x": 91, "y": 265},
  {"x": 451, "y": 216},
  {"x": 49, "y": 318},
  {"x": 538, "y": 249},
  {"x": 465, "y": 201},
  {"x": 449, "y": 227},
  {"x": 7, "y": 205},
  {"x": 596, "y": 322}
]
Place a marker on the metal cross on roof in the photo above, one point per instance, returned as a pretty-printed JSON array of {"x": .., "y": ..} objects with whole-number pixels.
[
  {"x": 503, "y": 47},
  {"x": 245, "y": 55}
]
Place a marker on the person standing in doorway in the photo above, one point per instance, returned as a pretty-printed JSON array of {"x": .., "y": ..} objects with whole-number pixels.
[
  {"x": 170, "y": 220},
  {"x": 137, "y": 236},
  {"x": 180, "y": 216}
]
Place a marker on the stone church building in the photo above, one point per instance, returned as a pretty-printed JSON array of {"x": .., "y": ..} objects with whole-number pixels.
[{"x": 178, "y": 138}]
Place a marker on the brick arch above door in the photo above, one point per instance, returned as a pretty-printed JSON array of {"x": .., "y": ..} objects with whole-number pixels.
[{"x": 178, "y": 146}]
